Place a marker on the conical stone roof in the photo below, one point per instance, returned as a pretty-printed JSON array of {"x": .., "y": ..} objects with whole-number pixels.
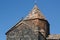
[{"x": 35, "y": 13}]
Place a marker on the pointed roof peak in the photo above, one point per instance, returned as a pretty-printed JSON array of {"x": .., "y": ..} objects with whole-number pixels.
[
  {"x": 35, "y": 7},
  {"x": 35, "y": 13}
]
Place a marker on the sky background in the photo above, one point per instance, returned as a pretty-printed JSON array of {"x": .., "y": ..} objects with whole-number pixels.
[{"x": 11, "y": 11}]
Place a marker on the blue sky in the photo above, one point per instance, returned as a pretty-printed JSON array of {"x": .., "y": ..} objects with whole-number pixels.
[{"x": 11, "y": 11}]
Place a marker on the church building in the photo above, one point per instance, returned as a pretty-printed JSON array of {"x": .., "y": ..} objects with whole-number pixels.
[{"x": 33, "y": 27}]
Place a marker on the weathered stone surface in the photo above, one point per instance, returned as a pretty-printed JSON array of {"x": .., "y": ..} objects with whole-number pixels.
[
  {"x": 29, "y": 28},
  {"x": 25, "y": 33},
  {"x": 35, "y": 13},
  {"x": 54, "y": 36}
]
